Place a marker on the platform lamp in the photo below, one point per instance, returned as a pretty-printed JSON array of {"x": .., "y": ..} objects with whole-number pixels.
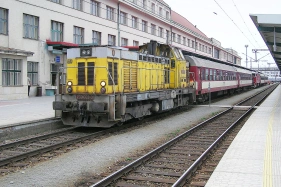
[{"x": 246, "y": 56}]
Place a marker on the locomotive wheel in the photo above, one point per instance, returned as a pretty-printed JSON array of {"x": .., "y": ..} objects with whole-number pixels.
[
  {"x": 140, "y": 118},
  {"x": 119, "y": 124}
]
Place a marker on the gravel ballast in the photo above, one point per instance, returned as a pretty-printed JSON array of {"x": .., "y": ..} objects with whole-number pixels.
[{"x": 95, "y": 158}]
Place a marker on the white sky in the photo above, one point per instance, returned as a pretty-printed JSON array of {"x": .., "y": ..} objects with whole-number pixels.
[{"x": 222, "y": 28}]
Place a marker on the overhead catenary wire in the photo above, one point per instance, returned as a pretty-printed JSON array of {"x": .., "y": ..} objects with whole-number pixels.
[
  {"x": 234, "y": 23},
  {"x": 245, "y": 23}
]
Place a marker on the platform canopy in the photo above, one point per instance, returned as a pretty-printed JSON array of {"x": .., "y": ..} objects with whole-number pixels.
[{"x": 269, "y": 27}]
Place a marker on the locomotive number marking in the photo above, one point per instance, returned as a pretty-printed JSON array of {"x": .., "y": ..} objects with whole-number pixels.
[{"x": 85, "y": 97}]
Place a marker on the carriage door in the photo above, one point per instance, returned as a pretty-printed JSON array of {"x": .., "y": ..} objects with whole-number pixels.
[
  {"x": 238, "y": 79},
  {"x": 199, "y": 78}
]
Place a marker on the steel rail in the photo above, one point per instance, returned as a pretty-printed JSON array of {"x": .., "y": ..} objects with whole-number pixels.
[
  {"x": 262, "y": 91},
  {"x": 181, "y": 181},
  {"x": 51, "y": 147},
  {"x": 126, "y": 169},
  {"x": 116, "y": 175},
  {"x": 17, "y": 143}
]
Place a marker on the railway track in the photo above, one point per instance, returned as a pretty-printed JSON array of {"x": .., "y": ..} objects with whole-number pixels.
[
  {"x": 11, "y": 153},
  {"x": 174, "y": 162}
]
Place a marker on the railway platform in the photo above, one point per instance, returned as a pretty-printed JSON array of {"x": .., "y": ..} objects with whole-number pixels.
[
  {"x": 253, "y": 158},
  {"x": 26, "y": 110}
]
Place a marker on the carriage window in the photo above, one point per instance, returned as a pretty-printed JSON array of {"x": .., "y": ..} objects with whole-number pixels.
[
  {"x": 202, "y": 74},
  {"x": 211, "y": 74},
  {"x": 215, "y": 75},
  {"x": 207, "y": 74}
]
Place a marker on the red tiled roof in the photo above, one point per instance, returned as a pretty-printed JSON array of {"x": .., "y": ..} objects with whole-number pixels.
[{"x": 184, "y": 22}]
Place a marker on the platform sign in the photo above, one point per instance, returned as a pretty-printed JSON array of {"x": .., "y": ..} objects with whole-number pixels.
[{"x": 57, "y": 59}]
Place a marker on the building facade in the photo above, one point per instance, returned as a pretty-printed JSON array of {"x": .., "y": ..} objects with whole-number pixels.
[{"x": 44, "y": 29}]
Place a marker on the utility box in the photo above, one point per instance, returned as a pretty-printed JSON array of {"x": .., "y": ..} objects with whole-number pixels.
[{"x": 50, "y": 92}]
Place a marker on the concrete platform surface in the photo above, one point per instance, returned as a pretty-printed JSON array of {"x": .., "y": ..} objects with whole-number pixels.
[
  {"x": 254, "y": 157},
  {"x": 24, "y": 110}
]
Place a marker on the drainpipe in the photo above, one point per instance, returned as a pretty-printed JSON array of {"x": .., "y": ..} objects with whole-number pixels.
[
  {"x": 118, "y": 23},
  {"x": 171, "y": 35},
  {"x": 195, "y": 45}
]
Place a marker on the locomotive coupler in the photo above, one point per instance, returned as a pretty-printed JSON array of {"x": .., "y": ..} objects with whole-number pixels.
[
  {"x": 75, "y": 105},
  {"x": 83, "y": 109}
]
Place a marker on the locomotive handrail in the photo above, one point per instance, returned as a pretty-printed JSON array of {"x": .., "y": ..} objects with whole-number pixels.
[{"x": 61, "y": 68}]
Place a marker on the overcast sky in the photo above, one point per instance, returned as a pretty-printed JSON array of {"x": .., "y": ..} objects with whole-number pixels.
[{"x": 213, "y": 21}]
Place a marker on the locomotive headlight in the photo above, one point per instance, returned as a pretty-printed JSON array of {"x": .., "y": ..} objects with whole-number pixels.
[
  {"x": 102, "y": 83},
  {"x": 102, "y": 90},
  {"x": 69, "y": 83},
  {"x": 69, "y": 89}
]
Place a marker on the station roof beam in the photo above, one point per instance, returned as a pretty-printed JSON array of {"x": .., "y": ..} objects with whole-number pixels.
[{"x": 269, "y": 27}]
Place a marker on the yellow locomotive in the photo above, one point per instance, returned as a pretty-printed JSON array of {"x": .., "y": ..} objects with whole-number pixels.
[{"x": 108, "y": 85}]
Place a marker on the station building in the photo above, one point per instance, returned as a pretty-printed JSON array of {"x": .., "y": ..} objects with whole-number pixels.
[{"x": 35, "y": 35}]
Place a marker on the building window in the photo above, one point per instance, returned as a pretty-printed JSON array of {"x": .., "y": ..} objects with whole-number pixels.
[
  {"x": 184, "y": 40},
  {"x": 11, "y": 72},
  {"x": 206, "y": 49},
  {"x": 144, "y": 4},
  {"x": 56, "y": 1},
  {"x": 135, "y": 43},
  {"x": 56, "y": 31},
  {"x": 153, "y": 29},
  {"x": 188, "y": 42},
  {"x": 167, "y": 15},
  {"x": 217, "y": 54},
  {"x": 153, "y": 7},
  {"x": 96, "y": 38},
  {"x": 111, "y": 40},
  {"x": 30, "y": 26},
  {"x": 77, "y": 4},
  {"x": 123, "y": 18},
  {"x": 32, "y": 72},
  {"x": 144, "y": 26},
  {"x": 174, "y": 37},
  {"x": 95, "y": 8},
  {"x": 3, "y": 21},
  {"x": 135, "y": 1},
  {"x": 109, "y": 13},
  {"x": 134, "y": 22},
  {"x": 179, "y": 38},
  {"x": 78, "y": 35},
  {"x": 196, "y": 45},
  {"x": 124, "y": 42},
  {"x": 210, "y": 50},
  {"x": 168, "y": 36},
  {"x": 200, "y": 49},
  {"x": 160, "y": 11},
  {"x": 161, "y": 32},
  {"x": 193, "y": 44}
]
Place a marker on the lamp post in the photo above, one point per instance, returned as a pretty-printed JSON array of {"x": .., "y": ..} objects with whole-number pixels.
[{"x": 246, "y": 57}]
